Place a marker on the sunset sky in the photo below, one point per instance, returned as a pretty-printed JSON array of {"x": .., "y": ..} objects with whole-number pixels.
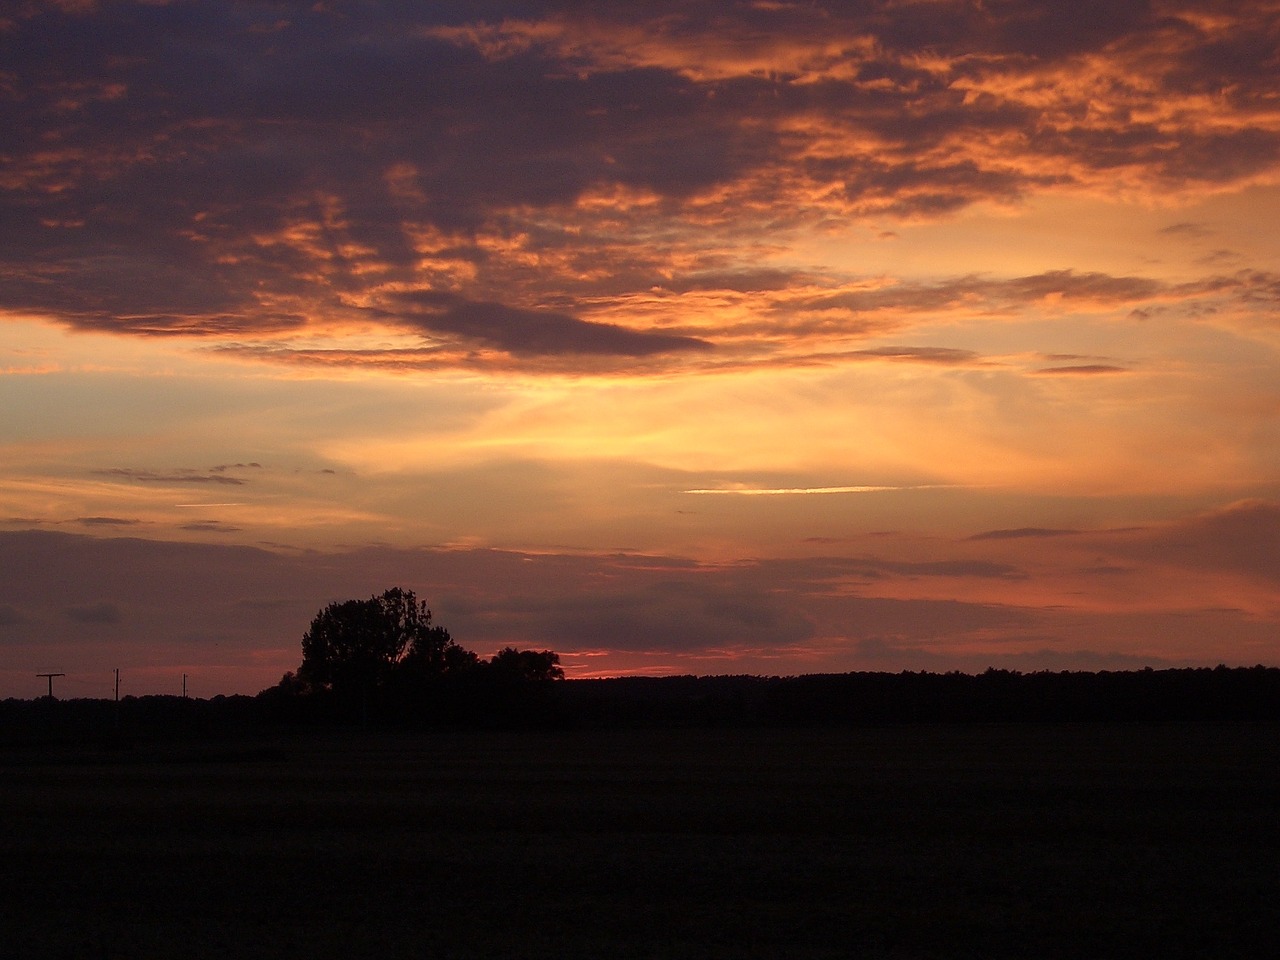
[{"x": 757, "y": 337}]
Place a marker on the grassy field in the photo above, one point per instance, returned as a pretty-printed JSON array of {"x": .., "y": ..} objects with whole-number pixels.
[{"x": 968, "y": 841}]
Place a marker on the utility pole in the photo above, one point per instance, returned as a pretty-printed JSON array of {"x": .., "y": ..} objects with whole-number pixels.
[
  {"x": 115, "y": 714},
  {"x": 49, "y": 677}
]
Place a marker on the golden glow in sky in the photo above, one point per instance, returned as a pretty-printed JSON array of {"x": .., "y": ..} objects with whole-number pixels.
[{"x": 720, "y": 337}]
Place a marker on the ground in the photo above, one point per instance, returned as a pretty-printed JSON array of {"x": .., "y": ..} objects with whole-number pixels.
[{"x": 898, "y": 841}]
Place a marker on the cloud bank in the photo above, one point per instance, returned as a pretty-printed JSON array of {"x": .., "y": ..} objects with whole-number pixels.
[{"x": 235, "y": 614}]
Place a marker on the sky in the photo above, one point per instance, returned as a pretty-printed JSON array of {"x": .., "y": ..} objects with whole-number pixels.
[{"x": 680, "y": 338}]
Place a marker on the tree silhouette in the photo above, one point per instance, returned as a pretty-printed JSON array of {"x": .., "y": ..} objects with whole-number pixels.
[
  {"x": 526, "y": 666},
  {"x": 357, "y": 645},
  {"x": 384, "y": 659}
]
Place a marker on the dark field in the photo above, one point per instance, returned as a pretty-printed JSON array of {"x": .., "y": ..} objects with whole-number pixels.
[{"x": 1081, "y": 841}]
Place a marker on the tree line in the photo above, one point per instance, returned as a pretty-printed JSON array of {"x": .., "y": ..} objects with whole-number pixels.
[
  {"x": 481, "y": 698},
  {"x": 1187, "y": 694},
  {"x": 385, "y": 659}
]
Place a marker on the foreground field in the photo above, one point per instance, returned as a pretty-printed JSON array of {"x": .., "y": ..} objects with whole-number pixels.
[{"x": 964, "y": 841}]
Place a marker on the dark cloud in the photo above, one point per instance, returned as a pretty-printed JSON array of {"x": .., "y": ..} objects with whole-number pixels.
[
  {"x": 106, "y": 522},
  {"x": 945, "y": 356},
  {"x": 532, "y": 332},
  {"x": 671, "y": 617},
  {"x": 953, "y": 568},
  {"x": 1189, "y": 229},
  {"x": 809, "y": 572},
  {"x": 95, "y": 613},
  {"x": 10, "y": 616},
  {"x": 1082, "y": 369},
  {"x": 1242, "y": 538},
  {"x": 887, "y": 655},
  {"x": 924, "y": 621},
  {"x": 1022, "y": 533},
  {"x": 909, "y": 188},
  {"x": 172, "y": 476},
  {"x": 203, "y": 148},
  {"x": 1250, "y": 287},
  {"x": 1226, "y": 157},
  {"x": 740, "y": 281},
  {"x": 1223, "y": 256},
  {"x": 209, "y": 526},
  {"x": 1232, "y": 64},
  {"x": 1070, "y": 285},
  {"x": 976, "y": 292}
]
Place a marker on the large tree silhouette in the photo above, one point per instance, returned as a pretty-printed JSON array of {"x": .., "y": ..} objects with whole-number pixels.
[
  {"x": 384, "y": 659},
  {"x": 357, "y": 645}
]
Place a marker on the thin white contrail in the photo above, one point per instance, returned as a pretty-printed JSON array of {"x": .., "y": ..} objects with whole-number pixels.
[{"x": 783, "y": 491}]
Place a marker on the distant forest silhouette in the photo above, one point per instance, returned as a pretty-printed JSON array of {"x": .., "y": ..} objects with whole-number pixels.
[
  {"x": 383, "y": 662},
  {"x": 481, "y": 701}
]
